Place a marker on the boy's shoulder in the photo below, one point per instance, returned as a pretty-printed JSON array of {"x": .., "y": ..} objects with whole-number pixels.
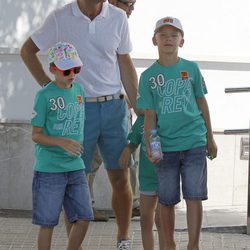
[
  {"x": 51, "y": 87},
  {"x": 47, "y": 88},
  {"x": 151, "y": 68},
  {"x": 47, "y": 91},
  {"x": 156, "y": 66},
  {"x": 188, "y": 62},
  {"x": 79, "y": 87}
]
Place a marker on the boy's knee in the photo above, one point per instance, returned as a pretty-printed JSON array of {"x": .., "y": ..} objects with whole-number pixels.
[{"x": 81, "y": 223}]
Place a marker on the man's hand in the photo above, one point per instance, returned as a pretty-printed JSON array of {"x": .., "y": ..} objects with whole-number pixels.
[{"x": 125, "y": 158}]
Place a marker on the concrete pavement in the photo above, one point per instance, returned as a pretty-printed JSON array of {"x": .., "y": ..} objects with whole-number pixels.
[{"x": 222, "y": 229}]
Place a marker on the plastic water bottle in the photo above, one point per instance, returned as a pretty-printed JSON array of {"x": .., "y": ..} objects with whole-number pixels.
[{"x": 155, "y": 145}]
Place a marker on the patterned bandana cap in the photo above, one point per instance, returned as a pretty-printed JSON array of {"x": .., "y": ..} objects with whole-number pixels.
[{"x": 64, "y": 56}]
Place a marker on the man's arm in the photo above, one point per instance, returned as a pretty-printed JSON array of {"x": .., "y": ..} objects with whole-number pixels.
[
  {"x": 29, "y": 56},
  {"x": 211, "y": 145},
  {"x": 129, "y": 79},
  {"x": 125, "y": 156}
]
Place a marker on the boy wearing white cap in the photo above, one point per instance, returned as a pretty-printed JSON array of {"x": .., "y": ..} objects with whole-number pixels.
[
  {"x": 59, "y": 177},
  {"x": 172, "y": 91}
]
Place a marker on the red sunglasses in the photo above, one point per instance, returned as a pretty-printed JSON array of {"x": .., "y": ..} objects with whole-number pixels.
[{"x": 67, "y": 72}]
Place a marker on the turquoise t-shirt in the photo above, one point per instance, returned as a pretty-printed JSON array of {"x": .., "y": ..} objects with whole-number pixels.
[
  {"x": 60, "y": 112},
  {"x": 172, "y": 91},
  {"x": 147, "y": 170}
]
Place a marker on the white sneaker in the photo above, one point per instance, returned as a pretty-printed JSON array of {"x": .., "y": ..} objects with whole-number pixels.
[{"x": 124, "y": 245}]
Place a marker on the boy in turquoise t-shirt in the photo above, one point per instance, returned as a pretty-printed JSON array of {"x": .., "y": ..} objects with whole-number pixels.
[
  {"x": 147, "y": 184},
  {"x": 172, "y": 93},
  {"x": 59, "y": 178}
]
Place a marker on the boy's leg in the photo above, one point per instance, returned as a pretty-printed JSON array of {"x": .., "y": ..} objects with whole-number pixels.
[
  {"x": 168, "y": 175},
  {"x": 194, "y": 188},
  {"x": 44, "y": 238},
  {"x": 148, "y": 205},
  {"x": 194, "y": 221},
  {"x": 77, "y": 234},
  {"x": 47, "y": 197},
  {"x": 77, "y": 206},
  {"x": 121, "y": 200},
  {"x": 68, "y": 227},
  {"x": 158, "y": 226},
  {"x": 167, "y": 215}
]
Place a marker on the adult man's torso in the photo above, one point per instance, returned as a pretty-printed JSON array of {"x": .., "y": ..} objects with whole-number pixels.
[{"x": 98, "y": 42}]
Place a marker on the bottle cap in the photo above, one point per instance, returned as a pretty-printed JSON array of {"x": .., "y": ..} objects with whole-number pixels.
[{"x": 153, "y": 131}]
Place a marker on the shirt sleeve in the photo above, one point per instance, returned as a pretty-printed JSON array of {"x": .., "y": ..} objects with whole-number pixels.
[
  {"x": 145, "y": 97},
  {"x": 200, "y": 88},
  {"x": 135, "y": 134},
  {"x": 39, "y": 111},
  {"x": 46, "y": 35},
  {"x": 125, "y": 46}
]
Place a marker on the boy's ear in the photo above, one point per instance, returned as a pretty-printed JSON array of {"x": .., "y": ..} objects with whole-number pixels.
[
  {"x": 181, "y": 43},
  {"x": 154, "y": 40}
]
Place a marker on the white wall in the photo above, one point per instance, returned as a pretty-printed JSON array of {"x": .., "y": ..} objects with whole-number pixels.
[{"x": 214, "y": 30}]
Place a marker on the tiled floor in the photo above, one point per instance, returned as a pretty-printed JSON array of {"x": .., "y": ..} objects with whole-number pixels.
[{"x": 222, "y": 229}]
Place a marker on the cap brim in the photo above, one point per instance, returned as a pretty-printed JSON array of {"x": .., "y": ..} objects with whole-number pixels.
[
  {"x": 169, "y": 24},
  {"x": 68, "y": 64}
]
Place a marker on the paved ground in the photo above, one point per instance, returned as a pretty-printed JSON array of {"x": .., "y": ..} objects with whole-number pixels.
[{"x": 222, "y": 229}]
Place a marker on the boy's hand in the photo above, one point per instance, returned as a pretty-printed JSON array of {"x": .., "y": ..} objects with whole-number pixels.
[
  {"x": 150, "y": 155},
  {"x": 71, "y": 146},
  {"x": 211, "y": 148},
  {"x": 125, "y": 158}
]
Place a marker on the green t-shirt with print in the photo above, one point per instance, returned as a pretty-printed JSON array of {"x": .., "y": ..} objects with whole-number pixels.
[
  {"x": 172, "y": 91},
  {"x": 60, "y": 112},
  {"x": 147, "y": 170}
]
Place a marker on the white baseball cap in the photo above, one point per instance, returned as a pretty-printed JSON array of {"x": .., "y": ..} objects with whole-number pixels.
[
  {"x": 64, "y": 56},
  {"x": 172, "y": 21}
]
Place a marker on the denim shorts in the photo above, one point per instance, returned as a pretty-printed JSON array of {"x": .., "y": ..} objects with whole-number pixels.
[
  {"x": 106, "y": 124},
  {"x": 182, "y": 168},
  {"x": 52, "y": 191}
]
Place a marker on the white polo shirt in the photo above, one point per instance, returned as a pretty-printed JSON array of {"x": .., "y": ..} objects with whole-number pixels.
[{"x": 98, "y": 42}]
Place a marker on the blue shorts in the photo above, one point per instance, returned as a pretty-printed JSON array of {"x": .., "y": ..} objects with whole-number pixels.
[
  {"x": 52, "y": 191},
  {"x": 187, "y": 167},
  {"x": 106, "y": 124}
]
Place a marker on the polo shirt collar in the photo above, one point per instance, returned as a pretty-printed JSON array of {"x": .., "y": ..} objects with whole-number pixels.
[{"x": 77, "y": 12}]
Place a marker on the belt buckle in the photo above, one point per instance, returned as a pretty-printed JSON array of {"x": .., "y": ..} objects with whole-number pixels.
[{"x": 101, "y": 99}]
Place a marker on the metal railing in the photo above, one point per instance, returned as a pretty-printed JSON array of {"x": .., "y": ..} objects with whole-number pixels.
[
  {"x": 237, "y": 90},
  {"x": 242, "y": 131}
]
